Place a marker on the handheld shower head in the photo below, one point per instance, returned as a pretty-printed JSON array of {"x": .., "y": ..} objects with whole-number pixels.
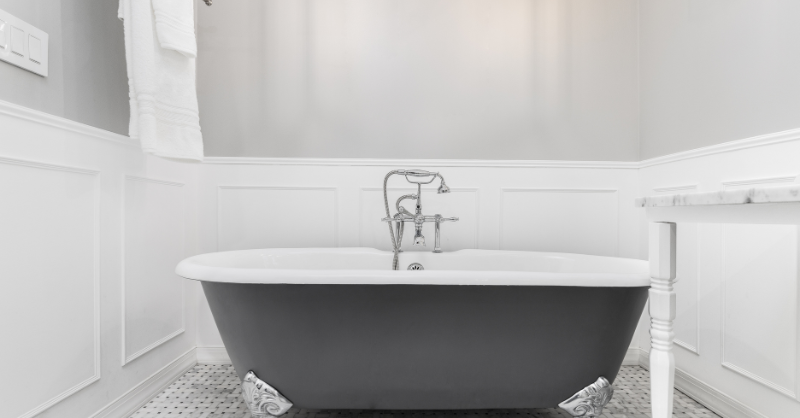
[{"x": 443, "y": 186}]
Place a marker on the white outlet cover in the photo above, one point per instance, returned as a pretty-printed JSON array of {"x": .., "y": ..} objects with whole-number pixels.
[{"x": 23, "y": 44}]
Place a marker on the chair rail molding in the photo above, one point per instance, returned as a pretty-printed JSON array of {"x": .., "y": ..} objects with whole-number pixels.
[
  {"x": 741, "y": 144},
  {"x": 724, "y": 147},
  {"x": 64, "y": 124},
  {"x": 377, "y": 162}
]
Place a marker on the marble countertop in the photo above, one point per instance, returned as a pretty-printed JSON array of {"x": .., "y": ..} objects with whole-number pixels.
[{"x": 785, "y": 194}]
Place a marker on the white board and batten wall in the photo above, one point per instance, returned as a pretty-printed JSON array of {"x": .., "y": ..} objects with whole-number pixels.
[{"x": 98, "y": 288}]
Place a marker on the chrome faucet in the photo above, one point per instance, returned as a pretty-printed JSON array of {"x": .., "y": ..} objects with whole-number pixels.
[{"x": 418, "y": 177}]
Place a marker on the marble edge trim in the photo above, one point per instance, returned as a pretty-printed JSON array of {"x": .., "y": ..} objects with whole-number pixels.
[{"x": 726, "y": 197}]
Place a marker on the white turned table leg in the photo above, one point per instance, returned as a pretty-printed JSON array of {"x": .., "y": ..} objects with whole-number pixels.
[{"x": 662, "y": 315}]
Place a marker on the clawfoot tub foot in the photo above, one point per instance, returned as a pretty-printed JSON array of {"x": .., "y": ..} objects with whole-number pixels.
[
  {"x": 262, "y": 399},
  {"x": 590, "y": 401}
]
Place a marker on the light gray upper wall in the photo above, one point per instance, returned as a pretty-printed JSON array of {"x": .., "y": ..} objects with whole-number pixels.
[
  {"x": 717, "y": 70},
  {"x": 483, "y": 79},
  {"x": 88, "y": 80}
]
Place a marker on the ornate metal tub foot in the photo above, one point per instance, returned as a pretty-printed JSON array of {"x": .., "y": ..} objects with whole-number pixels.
[
  {"x": 262, "y": 399},
  {"x": 590, "y": 401}
]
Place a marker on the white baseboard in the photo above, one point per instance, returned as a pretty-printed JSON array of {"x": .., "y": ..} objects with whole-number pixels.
[
  {"x": 212, "y": 355},
  {"x": 144, "y": 392},
  {"x": 713, "y": 399},
  {"x": 631, "y": 357}
]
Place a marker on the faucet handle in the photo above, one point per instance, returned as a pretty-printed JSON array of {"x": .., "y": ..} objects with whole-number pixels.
[{"x": 451, "y": 219}]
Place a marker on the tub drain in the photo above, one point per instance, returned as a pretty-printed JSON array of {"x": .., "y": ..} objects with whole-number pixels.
[{"x": 415, "y": 266}]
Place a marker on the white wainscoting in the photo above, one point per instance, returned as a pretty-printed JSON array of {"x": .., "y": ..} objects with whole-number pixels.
[
  {"x": 50, "y": 308},
  {"x": 64, "y": 205},
  {"x": 79, "y": 203},
  {"x": 153, "y": 296},
  {"x": 737, "y": 295}
]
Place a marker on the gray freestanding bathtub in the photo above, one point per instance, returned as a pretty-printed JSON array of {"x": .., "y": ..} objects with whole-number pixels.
[{"x": 476, "y": 329}]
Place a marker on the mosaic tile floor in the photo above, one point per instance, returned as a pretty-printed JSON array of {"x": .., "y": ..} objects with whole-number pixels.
[{"x": 213, "y": 391}]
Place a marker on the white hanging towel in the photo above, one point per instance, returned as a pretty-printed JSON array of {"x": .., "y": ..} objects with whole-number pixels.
[{"x": 160, "y": 47}]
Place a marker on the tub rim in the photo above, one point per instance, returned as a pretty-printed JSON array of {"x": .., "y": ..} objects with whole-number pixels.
[{"x": 193, "y": 269}]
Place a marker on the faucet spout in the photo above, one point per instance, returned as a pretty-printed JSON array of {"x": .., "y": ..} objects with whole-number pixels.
[
  {"x": 419, "y": 240},
  {"x": 419, "y": 220}
]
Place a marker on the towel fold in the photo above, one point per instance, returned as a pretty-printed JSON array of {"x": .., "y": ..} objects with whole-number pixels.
[
  {"x": 175, "y": 26},
  {"x": 161, "y": 81}
]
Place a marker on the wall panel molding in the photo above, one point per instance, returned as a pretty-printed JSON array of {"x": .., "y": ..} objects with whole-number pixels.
[
  {"x": 530, "y": 216},
  {"x": 759, "y": 379},
  {"x": 673, "y": 189},
  {"x": 334, "y": 209},
  {"x": 729, "y": 363},
  {"x": 759, "y": 181},
  {"x": 725, "y": 239},
  {"x": 95, "y": 179},
  {"x": 126, "y": 357}
]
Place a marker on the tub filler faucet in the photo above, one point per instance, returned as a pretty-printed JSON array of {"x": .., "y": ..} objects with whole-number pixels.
[{"x": 397, "y": 222}]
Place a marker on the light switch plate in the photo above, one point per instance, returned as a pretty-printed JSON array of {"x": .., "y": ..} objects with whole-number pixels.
[
  {"x": 17, "y": 41},
  {"x": 3, "y": 35},
  {"x": 22, "y": 44},
  {"x": 34, "y": 49}
]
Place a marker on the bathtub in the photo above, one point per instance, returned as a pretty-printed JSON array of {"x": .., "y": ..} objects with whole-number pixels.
[{"x": 474, "y": 329}]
